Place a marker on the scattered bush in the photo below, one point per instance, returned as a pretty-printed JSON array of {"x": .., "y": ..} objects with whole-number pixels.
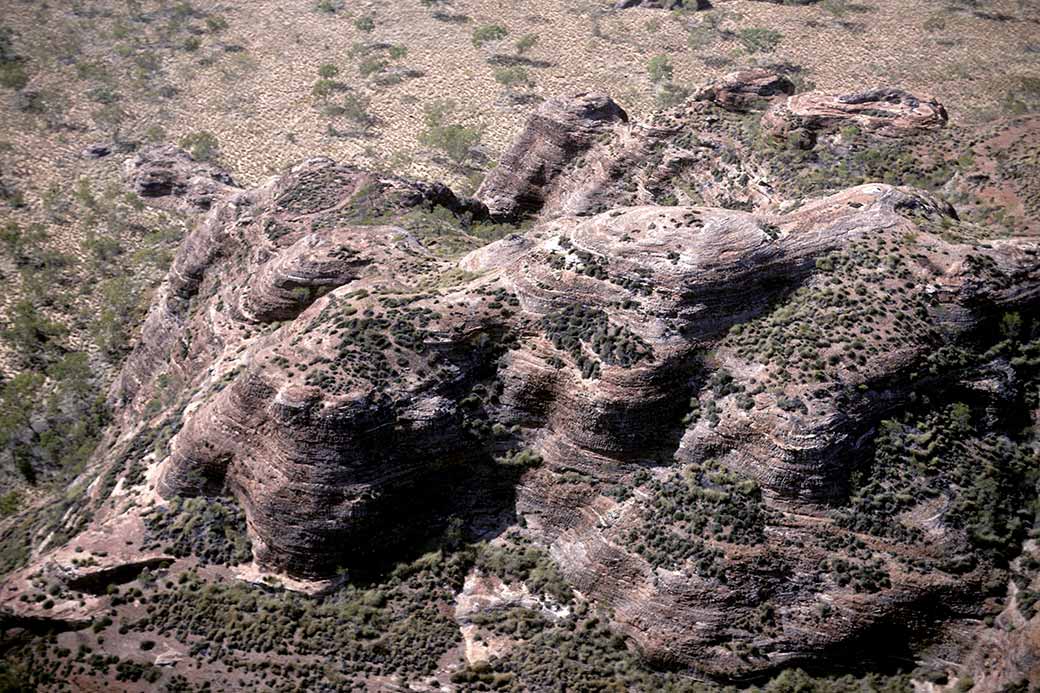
[
  {"x": 13, "y": 74},
  {"x": 759, "y": 40},
  {"x": 512, "y": 76},
  {"x": 525, "y": 43},
  {"x": 329, "y": 6},
  {"x": 202, "y": 145},
  {"x": 488, "y": 33},
  {"x": 365, "y": 23},
  {"x": 660, "y": 68},
  {"x": 212, "y": 530},
  {"x": 454, "y": 139}
]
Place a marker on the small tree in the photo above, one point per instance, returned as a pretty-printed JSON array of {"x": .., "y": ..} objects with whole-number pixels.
[
  {"x": 510, "y": 77},
  {"x": 118, "y": 311},
  {"x": 355, "y": 109},
  {"x": 488, "y": 33},
  {"x": 12, "y": 66},
  {"x": 660, "y": 69},
  {"x": 323, "y": 88},
  {"x": 525, "y": 43},
  {"x": 759, "y": 40},
  {"x": 202, "y": 145},
  {"x": 1011, "y": 325},
  {"x": 453, "y": 139},
  {"x": 31, "y": 334},
  {"x": 372, "y": 65}
]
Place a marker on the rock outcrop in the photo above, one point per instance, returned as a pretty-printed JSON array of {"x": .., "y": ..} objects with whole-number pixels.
[
  {"x": 171, "y": 174},
  {"x": 682, "y": 401},
  {"x": 885, "y": 112},
  {"x": 744, "y": 89},
  {"x": 558, "y": 133},
  {"x": 582, "y": 340}
]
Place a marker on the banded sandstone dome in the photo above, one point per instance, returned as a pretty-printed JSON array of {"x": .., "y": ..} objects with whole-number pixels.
[{"x": 759, "y": 414}]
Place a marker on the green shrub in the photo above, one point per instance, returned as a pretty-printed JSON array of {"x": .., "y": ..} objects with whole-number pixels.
[
  {"x": 512, "y": 76},
  {"x": 693, "y": 504},
  {"x": 118, "y": 312},
  {"x": 31, "y": 334},
  {"x": 211, "y": 530},
  {"x": 13, "y": 74},
  {"x": 759, "y": 40},
  {"x": 488, "y": 33},
  {"x": 329, "y": 6},
  {"x": 660, "y": 68},
  {"x": 525, "y": 43},
  {"x": 355, "y": 109},
  {"x": 525, "y": 563},
  {"x": 454, "y": 139},
  {"x": 523, "y": 459},
  {"x": 669, "y": 95},
  {"x": 10, "y": 502},
  {"x": 372, "y": 65},
  {"x": 202, "y": 145}
]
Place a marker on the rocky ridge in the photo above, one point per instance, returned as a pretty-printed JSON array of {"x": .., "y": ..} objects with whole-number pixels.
[{"x": 681, "y": 370}]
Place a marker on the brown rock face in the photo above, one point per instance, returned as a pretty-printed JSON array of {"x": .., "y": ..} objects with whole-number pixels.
[
  {"x": 885, "y": 112},
  {"x": 683, "y": 401},
  {"x": 555, "y": 136},
  {"x": 582, "y": 342},
  {"x": 170, "y": 173},
  {"x": 745, "y": 88},
  {"x": 664, "y": 161}
]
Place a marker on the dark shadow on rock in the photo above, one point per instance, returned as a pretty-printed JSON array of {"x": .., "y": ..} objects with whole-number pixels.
[
  {"x": 96, "y": 582},
  {"x": 449, "y": 504}
]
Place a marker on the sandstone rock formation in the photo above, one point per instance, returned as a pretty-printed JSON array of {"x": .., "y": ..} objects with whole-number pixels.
[
  {"x": 745, "y": 88},
  {"x": 555, "y": 136},
  {"x": 171, "y": 174},
  {"x": 733, "y": 426},
  {"x": 886, "y": 112},
  {"x": 584, "y": 344}
]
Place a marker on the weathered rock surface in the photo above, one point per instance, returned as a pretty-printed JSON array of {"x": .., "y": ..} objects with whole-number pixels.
[
  {"x": 885, "y": 112},
  {"x": 483, "y": 595},
  {"x": 170, "y": 173},
  {"x": 745, "y": 88},
  {"x": 582, "y": 338},
  {"x": 663, "y": 161},
  {"x": 98, "y": 150},
  {"x": 554, "y": 137},
  {"x": 682, "y": 368}
]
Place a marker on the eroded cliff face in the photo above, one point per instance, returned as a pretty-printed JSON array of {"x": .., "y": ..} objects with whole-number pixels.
[{"x": 673, "y": 378}]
